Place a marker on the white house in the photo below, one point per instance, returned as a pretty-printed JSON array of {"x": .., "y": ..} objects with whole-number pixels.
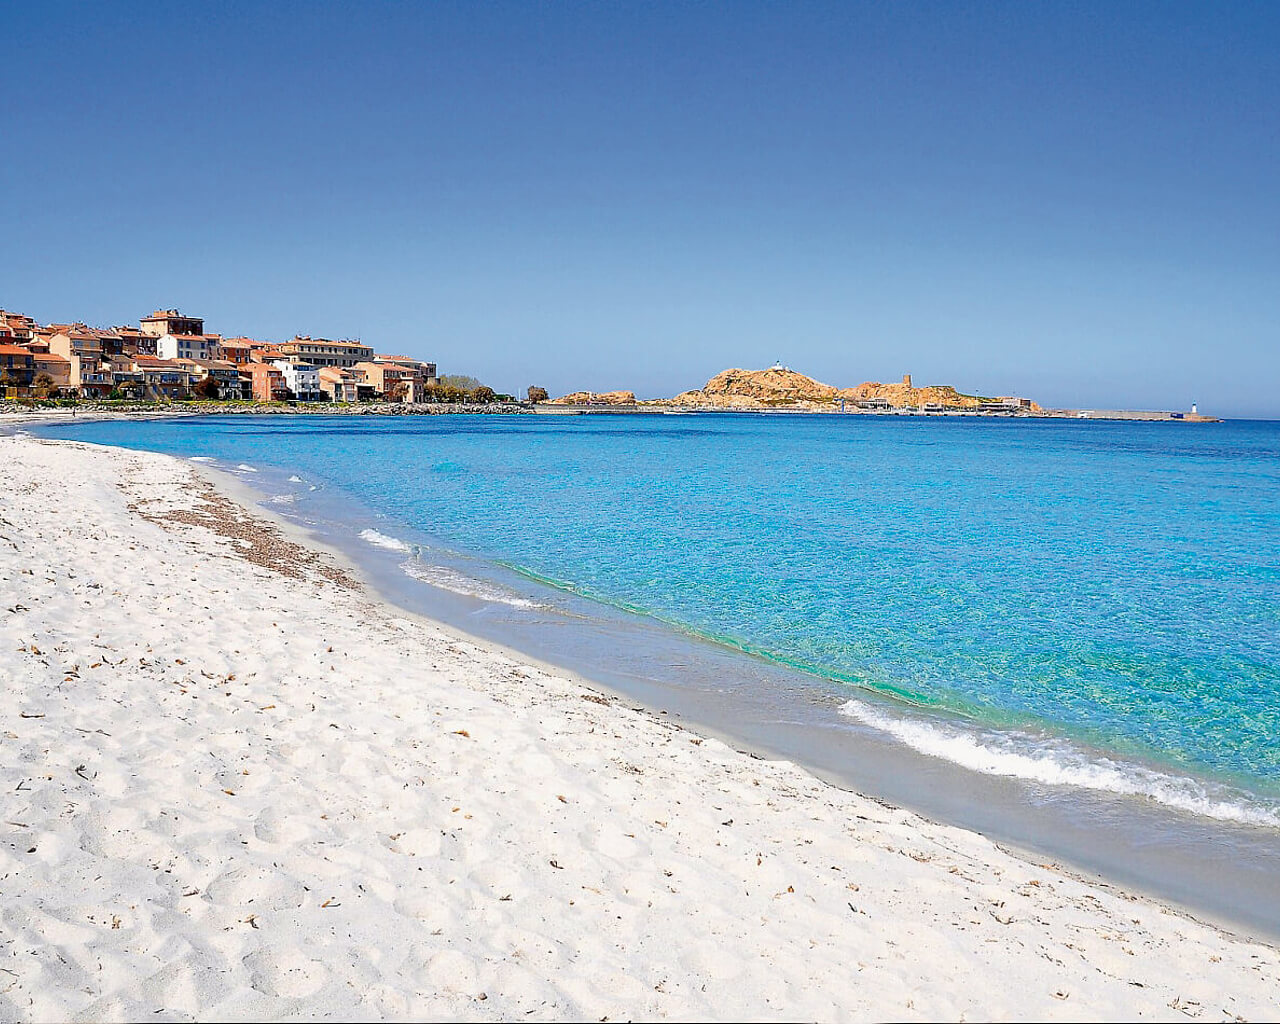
[
  {"x": 300, "y": 378},
  {"x": 189, "y": 346}
]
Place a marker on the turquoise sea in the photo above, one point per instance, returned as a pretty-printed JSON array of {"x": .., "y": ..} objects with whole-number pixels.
[{"x": 1073, "y": 603}]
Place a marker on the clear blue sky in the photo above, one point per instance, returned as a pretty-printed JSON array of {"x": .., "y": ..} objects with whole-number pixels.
[{"x": 1078, "y": 202}]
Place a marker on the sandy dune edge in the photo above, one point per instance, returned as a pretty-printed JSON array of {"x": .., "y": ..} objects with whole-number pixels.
[{"x": 235, "y": 785}]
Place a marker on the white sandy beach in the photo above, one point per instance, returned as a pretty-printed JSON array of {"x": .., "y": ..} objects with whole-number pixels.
[{"x": 237, "y": 785}]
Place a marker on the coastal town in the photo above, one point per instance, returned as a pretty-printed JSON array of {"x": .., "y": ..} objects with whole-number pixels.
[{"x": 169, "y": 357}]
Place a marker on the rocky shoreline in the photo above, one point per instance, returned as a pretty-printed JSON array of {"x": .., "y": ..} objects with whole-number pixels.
[{"x": 261, "y": 409}]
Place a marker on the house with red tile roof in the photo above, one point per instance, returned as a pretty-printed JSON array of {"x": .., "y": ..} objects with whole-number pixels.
[
  {"x": 226, "y": 373},
  {"x": 323, "y": 352},
  {"x": 268, "y": 383},
  {"x": 395, "y": 383},
  {"x": 135, "y": 342},
  {"x": 343, "y": 385},
  {"x": 54, "y": 367},
  {"x": 16, "y": 327},
  {"x": 81, "y": 346},
  {"x": 163, "y": 378},
  {"x": 17, "y": 370},
  {"x": 424, "y": 373},
  {"x": 239, "y": 350},
  {"x": 189, "y": 346}
]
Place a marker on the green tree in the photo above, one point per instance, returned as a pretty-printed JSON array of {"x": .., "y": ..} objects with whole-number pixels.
[
  {"x": 45, "y": 385},
  {"x": 483, "y": 395},
  {"x": 460, "y": 381}
]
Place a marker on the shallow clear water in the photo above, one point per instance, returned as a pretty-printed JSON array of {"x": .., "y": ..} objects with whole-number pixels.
[{"x": 1084, "y": 603}]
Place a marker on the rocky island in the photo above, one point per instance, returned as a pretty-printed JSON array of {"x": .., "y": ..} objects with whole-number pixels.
[{"x": 781, "y": 389}]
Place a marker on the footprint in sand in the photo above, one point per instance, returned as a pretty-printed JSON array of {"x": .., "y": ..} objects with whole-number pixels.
[
  {"x": 262, "y": 887},
  {"x": 429, "y": 907},
  {"x": 280, "y": 971},
  {"x": 451, "y": 971},
  {"x": 273, "y": 825}
]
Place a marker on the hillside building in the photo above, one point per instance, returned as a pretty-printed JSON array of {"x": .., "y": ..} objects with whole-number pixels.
[
  {"x": 303, "y": 380},
  {"x": 170, "y": 321},
  {"x": 321, "y": 352}
]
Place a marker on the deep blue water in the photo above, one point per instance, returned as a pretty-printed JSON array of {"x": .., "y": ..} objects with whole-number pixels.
[{"x": 1112, "y": 588}]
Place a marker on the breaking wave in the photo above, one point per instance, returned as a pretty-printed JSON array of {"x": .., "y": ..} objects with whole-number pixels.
[
  {"x": 381, "y": 540},
  {"x": 457, "y": 583},
  {"x": 1059, "y": 763}
]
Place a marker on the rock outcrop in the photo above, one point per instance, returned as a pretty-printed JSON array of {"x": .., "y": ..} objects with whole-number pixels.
[
  {"x": 781, "y": 387},
  {"x": 596, "y": 398},
  {"x": 746, "y": 389},
  {"x": 902, "y": 396}
]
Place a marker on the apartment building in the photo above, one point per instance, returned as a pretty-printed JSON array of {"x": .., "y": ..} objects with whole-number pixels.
[
  {"x": 301, "y": 379},
  {"x": 344, "y": 385},
  {"x": 189, "y": 346},
  {"x": 240, "y": 350},
  {"x": 54, "y": 367},
  {"x": 163, "y": 378},
  {"x": 170, "y": 321},
  {"x": 424, "y": 373},
  {"x": 227, "y": 375},
  {"x": 392, "y": 381},
  {"x": 16, "y": 327},
  {"x": 268, "y": 382},
  {"x": 321, "y": 352},
  {"x": 135, "y": 342},
  {"x": 17, "y": 369}
]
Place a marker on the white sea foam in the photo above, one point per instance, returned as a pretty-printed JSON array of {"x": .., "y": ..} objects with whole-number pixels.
[
  {"x": 246, "y": 467},
  {"x": 457, "y": 583},
  {"x": 202, "y": 458},
  {"x": 1058, "y": 763},
  {"x": 295, "y": 479},
  {"x": 283, "y": 499},
  {"x": 381, "y": 540}
]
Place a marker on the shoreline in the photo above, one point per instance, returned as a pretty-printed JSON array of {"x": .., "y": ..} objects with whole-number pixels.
[
  {"x": 1152, "y": 846},
  {"x": 551, "y": 409},
  {"x": 549, "y": 770}
]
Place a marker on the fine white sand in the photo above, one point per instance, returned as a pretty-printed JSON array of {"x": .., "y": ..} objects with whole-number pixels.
[{"x": 236, "y": 785}]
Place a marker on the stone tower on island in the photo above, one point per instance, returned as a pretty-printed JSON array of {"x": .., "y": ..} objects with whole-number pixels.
[{"x": 906, "y": 380}]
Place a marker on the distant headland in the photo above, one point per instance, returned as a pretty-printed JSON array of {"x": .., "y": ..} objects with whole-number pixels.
[{"x": 781, "y": 389}]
